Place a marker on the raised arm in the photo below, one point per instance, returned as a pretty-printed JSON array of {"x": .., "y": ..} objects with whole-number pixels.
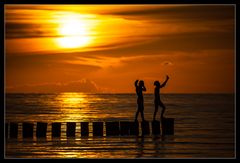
[
  {"x": 162, "y": 85},
  {"x": 136, "y": 82}
]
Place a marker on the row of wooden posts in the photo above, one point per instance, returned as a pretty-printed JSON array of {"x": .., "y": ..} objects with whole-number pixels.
[{"x": 112, "y": 128}]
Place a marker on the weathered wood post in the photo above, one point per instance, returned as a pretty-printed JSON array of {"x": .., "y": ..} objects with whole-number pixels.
[
  {"x": 134, "y": 128},
  {"x": 97, "y": 128},
  {"x": 84, "y": 129},
  {"x": 6, "y": 130},
  {"x": 112, "y": 128},
  {"x": 27, "y": 130},
  {"x": 124, "y": 128},
  {"x": 145, "y": 128},
  {"x": 41, "y": 130},
  {"x": 168, "y": 126},
  {"x": 56, "y": 129},
  {"x": 71, "y": 126},
  {"x": 156, "y": 128},
  {"x": 13, "y": 130}
]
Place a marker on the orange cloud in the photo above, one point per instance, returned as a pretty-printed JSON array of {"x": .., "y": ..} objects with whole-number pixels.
[{"x": 84, "y": 85}]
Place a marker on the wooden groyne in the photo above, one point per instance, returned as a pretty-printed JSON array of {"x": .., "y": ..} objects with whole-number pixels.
[{"x": 113, "y": 128}]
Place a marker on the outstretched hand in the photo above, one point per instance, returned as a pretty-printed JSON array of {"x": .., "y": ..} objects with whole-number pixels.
[{"x": 136, "y": 82}]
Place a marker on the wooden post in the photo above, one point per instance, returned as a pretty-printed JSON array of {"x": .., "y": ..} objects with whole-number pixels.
[
  {"x": 124, "y": 128},
  {"x": 112, "y": 128},
  {"x": 6, "y": 130},
  {"x": 97, "y": 128},
  {"x": 156, "y": 128},
  {"x": 56, "y": 129},
  {"x": 168, "y": 126},
  {"x": 41, "y": 129},
  {"x": 145, "y": 128},
  {"x": 84, "y": 129},
  {"x": 27, "y": 130},
  {"x": 13, "y": 130},
  {"x": 71, "y": 126},
  {"x": 134, "y": 128}
]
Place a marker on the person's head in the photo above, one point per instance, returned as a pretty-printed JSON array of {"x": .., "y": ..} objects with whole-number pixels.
[
  {"x": 157, "y": 84},
  {"x": 141, "y": 83}
]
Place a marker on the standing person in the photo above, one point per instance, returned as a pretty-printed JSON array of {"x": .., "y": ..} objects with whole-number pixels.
[
  {"x": 157, "y": 100},
  {"x": 139, "y": 88}
]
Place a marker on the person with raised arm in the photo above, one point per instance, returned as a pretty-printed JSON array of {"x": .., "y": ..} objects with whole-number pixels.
[
  {"x": 157, "y": 100},
  {"x": 139, "y": 91}
]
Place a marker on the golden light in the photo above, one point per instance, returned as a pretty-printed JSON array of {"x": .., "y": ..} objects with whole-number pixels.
[
  {"x": 74, "y": 29},
  {"x": 78, "y": 106},
  {"x": 72, "y": 99}
]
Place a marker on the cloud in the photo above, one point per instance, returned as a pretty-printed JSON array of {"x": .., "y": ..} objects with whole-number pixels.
[
  {"x": 44, "y": 62},
  {"x": 180, "y": 12},
  {"x": 83, "y": 85},
  {"x": 167, "y": 63},
  {"x": 28, "y": 30},
  {"x": 160, "y": 27}
]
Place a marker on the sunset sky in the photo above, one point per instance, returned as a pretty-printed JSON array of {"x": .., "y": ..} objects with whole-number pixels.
[{"x": 105, "y": 48}]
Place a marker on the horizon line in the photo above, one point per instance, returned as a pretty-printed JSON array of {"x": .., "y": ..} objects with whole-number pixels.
[{"x": 117, "y": 92}]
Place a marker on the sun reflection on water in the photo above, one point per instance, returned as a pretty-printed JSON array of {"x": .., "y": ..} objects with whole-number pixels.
[
  {"x": 73, "y": 99},
  {"x": 72, "y": 106},
  {"x": 78, "y": 107}
]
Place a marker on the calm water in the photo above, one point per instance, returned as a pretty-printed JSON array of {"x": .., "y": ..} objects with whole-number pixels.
[{"x": 204, "y": 126}]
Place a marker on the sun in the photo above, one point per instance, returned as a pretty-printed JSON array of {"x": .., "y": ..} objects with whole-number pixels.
[{"x": 73, "y": 31}]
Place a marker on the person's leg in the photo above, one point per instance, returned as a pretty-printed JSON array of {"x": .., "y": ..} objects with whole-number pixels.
[
  {"x": 155, "y": 111},
  {"x": 163, "y": 109},
  {"x": 142, "y": 116},
  {"x": 136, "y": 115},
  {"x": 141, "y": 110},
  {"x": 138, "y": 109}
]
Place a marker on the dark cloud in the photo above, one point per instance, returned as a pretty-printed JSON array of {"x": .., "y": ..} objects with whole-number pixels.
[
  {"x": 167, "y": 63},
  {"x": 185, "y": 42},
  {"x": 191, "y": 12},
  {"x": 31, "y": 7},
  {"x": 28, "y": 30},
  {"x": 45, "y": 62}
]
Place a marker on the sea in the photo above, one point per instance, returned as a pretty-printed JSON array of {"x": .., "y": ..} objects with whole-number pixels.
[{"x": 204, "y": 126}]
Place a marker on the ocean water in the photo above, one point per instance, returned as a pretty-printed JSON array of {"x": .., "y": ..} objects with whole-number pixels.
[{"x": 204, "y": 126}]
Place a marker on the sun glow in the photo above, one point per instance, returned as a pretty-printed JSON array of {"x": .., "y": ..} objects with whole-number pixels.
[
  {"x": 74, "y": 31},
  {"x": 73, "y": 99}
]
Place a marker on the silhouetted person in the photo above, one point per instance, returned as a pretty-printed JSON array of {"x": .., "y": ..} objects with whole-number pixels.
[
  {"x": 157, "y": 100},
  {"x": 139, "y": 88}
]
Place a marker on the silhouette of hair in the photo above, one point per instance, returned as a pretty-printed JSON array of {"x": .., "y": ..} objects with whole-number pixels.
[
  {"x": 156, "y": 83},
  {"x": 141, "y": 83}
]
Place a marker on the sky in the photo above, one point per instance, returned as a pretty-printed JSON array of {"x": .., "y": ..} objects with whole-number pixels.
[{"x": 105, "y": 48}]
